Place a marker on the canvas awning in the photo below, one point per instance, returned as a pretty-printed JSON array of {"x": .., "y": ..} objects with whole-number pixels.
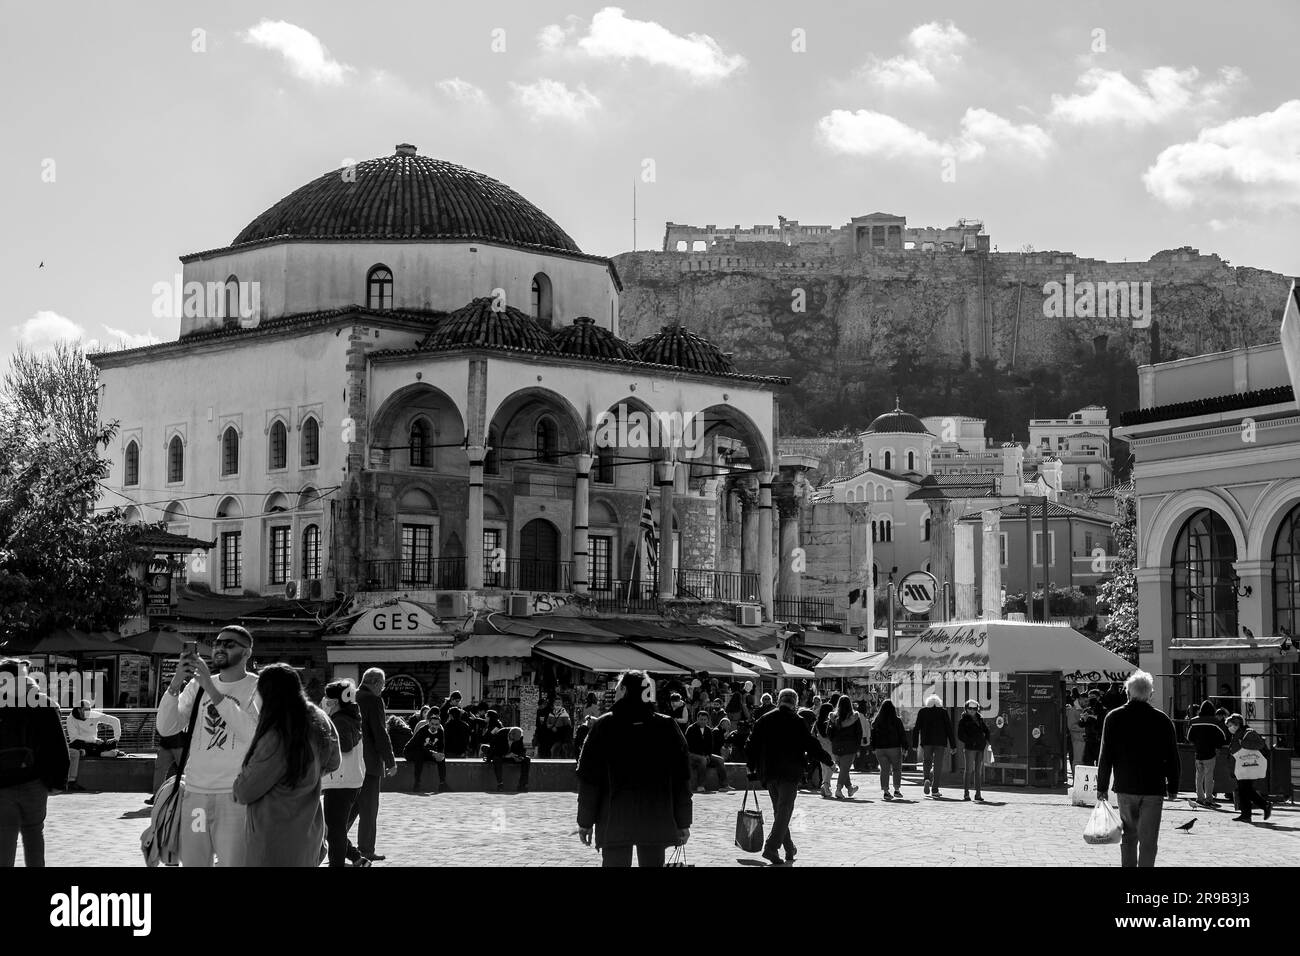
[
  {"x": 604, "y": 658},
  {"x": 767, "y": 666},
  {"x": 387, "y": 652},
  {"x": 694, "y": 658},
  {"x": 1242, "y": 650},
  {"x": 495, "y": 646},
  {"x": 851, "y": 664}
]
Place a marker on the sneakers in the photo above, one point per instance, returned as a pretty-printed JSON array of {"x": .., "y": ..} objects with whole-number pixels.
[
  {"x": 373, "y": 857},
  {"x": 935, "y": 795},
  {"x": 927, "y": 787},
  {"x": 839, "y": 795},
  {"x": 979, "y": 798},
  {"x": 898, "y": 794},
  {"x": 852, "y": 791},
  {"x": 1242, "y": 819},
  {"x": 887, "y": 796},
  {"x": 774, "y": 858}
]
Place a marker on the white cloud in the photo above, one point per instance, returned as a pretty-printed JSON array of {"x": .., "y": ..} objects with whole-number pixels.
[
  {"x": 932, "y": 47},
  {"x": 1165, "y": 92},
  {"x": 1252, "y": 161},
  {"x": 303, "y": 53},
  {"x": 44, "y": 329},
  {"x": 867, "y": 133},
  {"x": 551, "y": 99},
  {"x": 612, "y": 36},
  {"x": 463, "y": 92}
]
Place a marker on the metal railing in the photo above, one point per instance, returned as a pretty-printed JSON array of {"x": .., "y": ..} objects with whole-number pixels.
[
  {"x": 706, "y": 585},
  {"x": 807, "y": 610},
  {"x": 616, "y": 595},
  {"x": 518, "y": 574},
  {"x": 392, "y": 574}
]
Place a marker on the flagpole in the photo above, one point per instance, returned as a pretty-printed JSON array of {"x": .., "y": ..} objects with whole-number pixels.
[{"x": 640, "y": 543}]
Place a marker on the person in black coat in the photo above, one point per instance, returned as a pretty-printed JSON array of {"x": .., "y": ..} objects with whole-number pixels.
[
  {"x": 1206, "y": 735},
  {"x": 888, "y": 738},
  {"x": 429, "y": 742},
  {"x": 974, "y": 736},
  {"x": 1090, "y": 720},
  {"x": 457, "y": 730},
  {"x": 778, "y": 749},
  {"x": 35, "y": 762},
  {"x": 634, "y": 779},
  {"x": 931, "y": 733}
]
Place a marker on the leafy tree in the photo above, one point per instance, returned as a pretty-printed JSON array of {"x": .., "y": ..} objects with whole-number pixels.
[
  {"x": 1119, "y": 595},
  {"x": 62, "y": 563}
]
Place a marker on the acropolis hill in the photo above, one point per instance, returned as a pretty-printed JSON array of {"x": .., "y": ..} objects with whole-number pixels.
[{"x": 887, "y": 306}]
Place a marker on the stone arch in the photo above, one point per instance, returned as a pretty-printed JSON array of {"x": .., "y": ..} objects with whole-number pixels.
[
  {"x": 515, "y": 420},
  {"x": 1173, "y": 512},
  {"x": 492, "y": 508},
  {"x": 230, "y": 507},
  {"x": 1266, "y": 517},
  {"x": 276, "y": 502},
  {"x": 390, "y": 425},
  {"x": 131, "y": 515},
  {"x": 723, "y": 418},
  {"x": 309, "y": 499}
]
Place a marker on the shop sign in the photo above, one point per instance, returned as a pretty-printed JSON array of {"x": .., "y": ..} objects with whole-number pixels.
[{"x": 401, "y": 620}]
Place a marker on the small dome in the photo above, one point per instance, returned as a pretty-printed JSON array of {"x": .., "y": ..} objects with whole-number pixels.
[
  {"x": 677, "y": 345},
  {"x": 479, "y": 324},
  {"x": 896, "y": 422},
  {"x": 408, "y": 196},
  {"x": 584, "y": 337}
]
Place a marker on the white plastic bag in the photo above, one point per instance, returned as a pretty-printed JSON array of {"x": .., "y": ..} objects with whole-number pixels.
[
  {"x": 1250, "y": 765},
  {"x": 1083, "y": 790},
  {"x": 1104, "y": 825}
]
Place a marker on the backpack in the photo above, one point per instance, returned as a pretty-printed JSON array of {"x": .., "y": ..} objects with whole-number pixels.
[{"x": 17, "y": 747}]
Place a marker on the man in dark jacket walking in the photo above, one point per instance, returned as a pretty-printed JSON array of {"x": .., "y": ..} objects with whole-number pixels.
[
  {"x": 1206, "y": 735},
  {"x": 1139, "y": 744},
  {"x": 377, "y": 751},
  {"x": 777, "y": 752},
  {"x": 634, "y": 779},
  {"x": 33, "y": 761},
  {"x": 931, "y": 733}
]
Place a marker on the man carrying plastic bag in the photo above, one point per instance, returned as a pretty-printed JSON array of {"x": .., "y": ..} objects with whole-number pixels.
[
  {"x": 1139, "y": 744},
  {"x": 1104, "y": 826}
]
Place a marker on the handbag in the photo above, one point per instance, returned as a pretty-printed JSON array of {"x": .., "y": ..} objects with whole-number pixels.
[
  {"x": 678, "y": 857},
  {"x": 749, "y": 825},
  {"x": 988, "y": 754},
  {"x": 1104, "y": 826},
  {"x": 161, "y": 841}
]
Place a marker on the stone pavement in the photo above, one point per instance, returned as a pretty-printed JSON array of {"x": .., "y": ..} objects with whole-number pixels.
[{"x": 538, "y": 829}]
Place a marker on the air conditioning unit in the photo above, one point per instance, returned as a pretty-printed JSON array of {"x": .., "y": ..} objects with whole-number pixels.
[
  {"x": 749, "y": 615},
  {"x": 452, "y": 604},
  {"x": 517, "y": 606},
  {"x": 296, "y": 589}
]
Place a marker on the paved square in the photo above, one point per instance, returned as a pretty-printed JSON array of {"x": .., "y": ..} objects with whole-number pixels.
[{"x": 538, "y": 829}]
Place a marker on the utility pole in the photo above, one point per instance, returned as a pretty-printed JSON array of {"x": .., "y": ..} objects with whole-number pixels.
[{"x": 634, "y": 215}]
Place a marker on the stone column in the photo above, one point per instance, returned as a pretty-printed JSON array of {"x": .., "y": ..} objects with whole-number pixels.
[
  {"x": 789, "y": 581},
  {"x": 964, "y": 570},
  {"x": 667, "y": 578},
  {"x": 860, "y": 527},
  {"x": 474, "y": 518},
  {"x": 581, "y": 498},
  {"x": 766, "y": 581},
  {"x": 748, "y": 526},
  {"x": 1155, "y": 623},
  {"x": 941, "y": 543},
  {"x": 992, "y": 562}
]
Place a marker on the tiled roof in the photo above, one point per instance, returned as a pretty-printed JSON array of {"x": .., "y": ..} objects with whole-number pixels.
[
  {"x": 480, "y": 323},
  {"x": 897, "y": 422},
  {"x": 678, "y": 346},
  {"x": 406, "y": 196},
  {"x": 1237, "y": 402},
  {"x": 1054, "y": 510},
  {"x": 160, "y": 540},
  {"x": 585, "y": 338}
]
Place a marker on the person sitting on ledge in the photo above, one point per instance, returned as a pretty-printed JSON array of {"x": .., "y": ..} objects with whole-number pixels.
[{"x": 83, "y": 738}]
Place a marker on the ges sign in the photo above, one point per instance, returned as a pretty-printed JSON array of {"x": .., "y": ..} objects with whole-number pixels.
[{"x": 401, "y": 619}]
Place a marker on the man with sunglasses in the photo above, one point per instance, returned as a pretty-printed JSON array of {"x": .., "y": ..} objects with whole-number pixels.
[{"x": 213, "y": 821}]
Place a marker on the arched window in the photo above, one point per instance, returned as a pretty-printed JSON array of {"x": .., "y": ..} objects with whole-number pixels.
[
  {"x": 547, "y": 442},
  {"x": 175, "y": 459},
  {"x": 541, "y": 299},
  {"x": 868, "y": 459},
  {"x": 230, "y": 303},
  {"x": 875, "y": 531},
  {"x": 492, "y": 461},
  {"x": 911, "y": 461},
  {"x": 311, "y": 444},
  {"x": 605, "y": 465},
  {"x": 853, "y": 495},
  {"x": 925, "y": 529},
  {"x": 887, "y": 530},
  {"x": 889, "y": 460},
  {"x": 278, "y": 453},
  {"x": 418, "y": 443},
  {"x": 1204, "y": 588},
  {"x": 131, "y": 466},
  {"x": 1286, "y": 574},
  {"x": 379, "y": 288},
  {"x": 230, "y": 451},
  {"x": 311, "y": 551}
]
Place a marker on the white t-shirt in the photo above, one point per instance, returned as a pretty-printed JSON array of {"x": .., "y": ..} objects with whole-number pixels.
[
  {"x": 221, "y": 734},
  {"x": 88, "y": 728}
]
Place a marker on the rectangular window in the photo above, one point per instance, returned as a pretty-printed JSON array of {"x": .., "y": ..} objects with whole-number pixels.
[
  {"x": 232, "y": 561},
  {"x": 280, "y": 563},
  {"x": 599, "y": 567},
  {"x": 1087, "y": 543},
  {"x": 1051, "y": 548},
  {"x": 491, "y": 541},
  {"x": 1002, "y": 549},
  {"x": 417, "y": 554}
]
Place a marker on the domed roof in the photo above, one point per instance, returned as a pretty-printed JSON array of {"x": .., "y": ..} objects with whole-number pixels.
[
  {"x": 479, "y": 324},
  {"x": 584, "y": 337},
  {"x": 895, "y": 422},
  {"x": 677, "y": 345},
  {"x": 406, "y": 196}
]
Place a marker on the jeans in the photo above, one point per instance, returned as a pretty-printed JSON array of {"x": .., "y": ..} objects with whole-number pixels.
[
  {"x": 1248, "y": 797},
  {"x": 22, "y": 811},
  {"x": 1140, "y": 815},
  {"x": 933, "y": 756},
  {"x": 213, "y": 824},
  {"x": 622, "y": 855},
  {"x": 700, "y": 765},
  {"x": 1091, "y": 751},
  {"x": 338, "y": 820},
  {"x": 1205, "y": 779},
  {"x": 524, "y": 763},
  {"x": 366, "y": 809},
  {"x": 168, "y": 757},
  {"x": 974, "y": 770},
  {"x": 845, "y": 763},
  {"x": 782, "y": 793},
  {"x": 419, "y": 760},
  {"x": 891, "y": 762}
]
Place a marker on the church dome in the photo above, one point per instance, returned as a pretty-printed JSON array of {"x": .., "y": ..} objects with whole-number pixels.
[
  {"x": 478, "y": 324},
  {"x": 407, "y": 196},
  {"x": 677, "y": 345},
  {"x": 897, "y": 422},
  {"x": 585, "y": 338}
]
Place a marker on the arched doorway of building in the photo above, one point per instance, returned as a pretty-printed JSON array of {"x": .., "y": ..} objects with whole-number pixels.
[{"x": 539, "y": 556}]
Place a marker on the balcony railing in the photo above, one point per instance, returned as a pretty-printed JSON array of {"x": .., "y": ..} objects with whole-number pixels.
[
  {"x": 615, "y": 595},
  {"x": 705, "y": 585},
  {"x": 804, "y": 610},
  {"x": 394, "y": 574},
  {"x": 518, "y": 574}
]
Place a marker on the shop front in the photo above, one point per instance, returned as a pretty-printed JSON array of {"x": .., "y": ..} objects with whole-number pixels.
[{"x": 408, "y": 643}]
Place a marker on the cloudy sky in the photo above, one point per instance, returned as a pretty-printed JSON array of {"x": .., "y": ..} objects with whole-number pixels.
[{"x": 135, "y": 134}]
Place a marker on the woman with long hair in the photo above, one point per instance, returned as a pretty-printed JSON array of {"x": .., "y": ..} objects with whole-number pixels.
[
  {"x": 845, "y": 733},
  {"x": 822, "y": 731},
  {"x": 888, "y": 737},
  {"x": 280, "y": 783},
  {"x": 340, "y": 789}
]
